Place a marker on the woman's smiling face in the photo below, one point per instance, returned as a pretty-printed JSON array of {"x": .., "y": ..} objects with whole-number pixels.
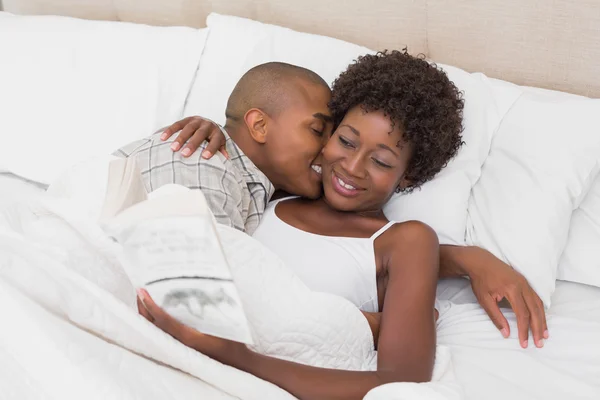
[{"x": 364, "y": 162}]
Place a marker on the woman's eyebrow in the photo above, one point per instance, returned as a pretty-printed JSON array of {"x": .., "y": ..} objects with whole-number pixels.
[
  {"x": 383, "y": 146},
  {"x": 357, "y": 133},
  {"x": 353, "y": 129}
]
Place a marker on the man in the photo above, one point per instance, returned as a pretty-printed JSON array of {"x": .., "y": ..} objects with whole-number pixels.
[{"x": 276, "y": 117}]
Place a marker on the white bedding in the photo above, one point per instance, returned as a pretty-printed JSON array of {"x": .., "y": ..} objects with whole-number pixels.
[
  {"x": 65, "y": 334},
  {"x": 490, "y": 367},
  {"x": 70, "y": 317},
  {"x": 15, "y": 189}
]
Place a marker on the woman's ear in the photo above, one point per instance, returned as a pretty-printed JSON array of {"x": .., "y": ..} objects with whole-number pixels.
[
  {"x": 403, "y": 184},
  {"x": 256, "y": 121}
]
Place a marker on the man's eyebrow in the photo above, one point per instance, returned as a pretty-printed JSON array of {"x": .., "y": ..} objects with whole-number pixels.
[{"x": 326, "y": 118}]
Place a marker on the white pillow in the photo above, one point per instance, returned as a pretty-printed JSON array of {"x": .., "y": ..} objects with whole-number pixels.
[
  {"x": 442, "y": 202},
  {"x": 71, "y": 89},
  {"x": 542, "y": 161},
  {"x": 580, "y": 261},
  {"x": 236, "y": 45}
]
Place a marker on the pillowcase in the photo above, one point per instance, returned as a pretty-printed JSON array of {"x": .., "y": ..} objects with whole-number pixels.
[
  {"x": 442, "y": 202},
  {"x": 541, "y": 164},
  {"x": 580, "y": 262},
  {"x": 236, "y": 45},
  {"x": 73, "y": 88}
]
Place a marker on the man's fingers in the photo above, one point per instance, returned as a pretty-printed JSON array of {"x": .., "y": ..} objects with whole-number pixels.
[
  {"x": 490, "y": 306},
  {"x": 523, "y": 316},
  {"x": 538, "y": 317},
  {"x": 176, "y": 127}
]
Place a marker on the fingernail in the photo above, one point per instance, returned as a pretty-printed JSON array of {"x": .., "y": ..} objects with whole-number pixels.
[
  {"x": 540, "y": 343},
  {"x": 504, "y": 332},
  {"x": 546, "y": 334},
  {"x": 186, "y": 152},
  {"x": 163, "y": 136},
  {"x": 175, "y": 146},
  {"x": 206, "y": 154},
  {"x": 525, "y": 344},
  {"x": 141, "y": 295}
]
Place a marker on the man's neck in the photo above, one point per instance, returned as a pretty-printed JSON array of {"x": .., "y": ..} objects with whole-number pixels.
[{"x": 241, "y": 137}]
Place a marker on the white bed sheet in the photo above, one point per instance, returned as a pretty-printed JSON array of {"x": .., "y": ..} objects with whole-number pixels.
[
  {"x": 490, "y": 367},
  {"x": 14, "y": 189},
  {"x": 486, "y": 365}
]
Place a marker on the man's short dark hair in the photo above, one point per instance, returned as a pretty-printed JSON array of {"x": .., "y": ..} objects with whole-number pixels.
[{"x": 267, "y": 86}]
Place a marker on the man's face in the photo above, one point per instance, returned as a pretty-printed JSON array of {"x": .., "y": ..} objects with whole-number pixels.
[{"x": 296, "y": 137}]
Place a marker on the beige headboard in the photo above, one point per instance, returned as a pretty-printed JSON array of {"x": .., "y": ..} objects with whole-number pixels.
[{"x": 547, "y": 43}]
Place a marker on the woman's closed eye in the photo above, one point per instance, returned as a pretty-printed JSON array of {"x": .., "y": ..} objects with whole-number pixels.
[
  {"x": 345, "y": 142},
  {"x": 381, "y": 163}
]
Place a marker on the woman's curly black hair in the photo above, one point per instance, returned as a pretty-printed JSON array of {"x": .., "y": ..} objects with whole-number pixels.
[{"x": 416, "y": 95}]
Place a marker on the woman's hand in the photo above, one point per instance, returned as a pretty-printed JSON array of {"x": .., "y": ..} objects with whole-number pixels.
[
  {"x": 493, "y": 280},
  {"x": 497, "y": 281},
  {"x": 226, "y": 351},
  {"x": 193, "y": 131}
]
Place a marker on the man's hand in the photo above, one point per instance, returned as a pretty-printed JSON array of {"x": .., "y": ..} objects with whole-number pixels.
[
  {"x": 493, "y": 280},
  {"x": 195, "y": 131}
]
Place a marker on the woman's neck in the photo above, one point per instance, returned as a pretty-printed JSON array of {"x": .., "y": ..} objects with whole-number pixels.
[{"x": 371, "y": 214}]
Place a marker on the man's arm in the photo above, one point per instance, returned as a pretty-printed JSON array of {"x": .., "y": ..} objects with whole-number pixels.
[
  {"x": 493, "y": 280},
  {"x": 218, "y": 179}
]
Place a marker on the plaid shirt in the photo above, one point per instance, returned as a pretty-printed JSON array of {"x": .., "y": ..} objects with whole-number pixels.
[{"x": 237, "y": 192}]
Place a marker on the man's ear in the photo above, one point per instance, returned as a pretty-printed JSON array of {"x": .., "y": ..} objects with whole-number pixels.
[{"x": 256, "y": 121}]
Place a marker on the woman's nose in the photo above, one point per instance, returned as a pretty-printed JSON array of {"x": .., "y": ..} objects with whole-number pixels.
[{"x": 354, "y": 166}]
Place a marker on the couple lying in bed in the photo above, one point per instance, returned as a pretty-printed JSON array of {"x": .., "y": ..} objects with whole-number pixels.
[{"x": 390, "y": 123}]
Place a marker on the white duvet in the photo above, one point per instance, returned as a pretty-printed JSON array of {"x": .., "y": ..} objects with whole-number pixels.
[{"x": 70, "y": 328}]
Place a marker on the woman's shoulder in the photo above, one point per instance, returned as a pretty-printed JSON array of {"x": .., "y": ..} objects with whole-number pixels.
[{"x": 409, "y": 235}]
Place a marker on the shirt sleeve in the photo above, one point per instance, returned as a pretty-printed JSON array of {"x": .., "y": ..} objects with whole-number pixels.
[
  {"x": 224, "y": 194},
  {"x": 219, "y": 180}
]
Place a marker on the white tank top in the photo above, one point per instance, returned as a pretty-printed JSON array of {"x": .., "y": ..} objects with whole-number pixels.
[{"x": 338, "y": 265}]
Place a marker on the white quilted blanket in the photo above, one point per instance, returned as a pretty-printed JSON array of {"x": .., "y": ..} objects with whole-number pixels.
[{"x": 70, "y": 328}]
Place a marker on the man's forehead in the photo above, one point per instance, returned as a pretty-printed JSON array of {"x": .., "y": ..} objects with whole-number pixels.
[{"x": 308, "y": 99}]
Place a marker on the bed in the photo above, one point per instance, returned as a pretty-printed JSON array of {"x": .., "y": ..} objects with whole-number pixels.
[
  {"x": 486, "y": 365},
  {"x": 507, "y": 40}
]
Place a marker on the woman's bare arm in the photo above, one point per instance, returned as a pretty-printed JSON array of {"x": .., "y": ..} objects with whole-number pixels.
[{"x": 406, "y": 339}]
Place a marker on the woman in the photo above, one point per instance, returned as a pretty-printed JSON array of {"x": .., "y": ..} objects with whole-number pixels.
[{"x": 398, "y": 122}]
